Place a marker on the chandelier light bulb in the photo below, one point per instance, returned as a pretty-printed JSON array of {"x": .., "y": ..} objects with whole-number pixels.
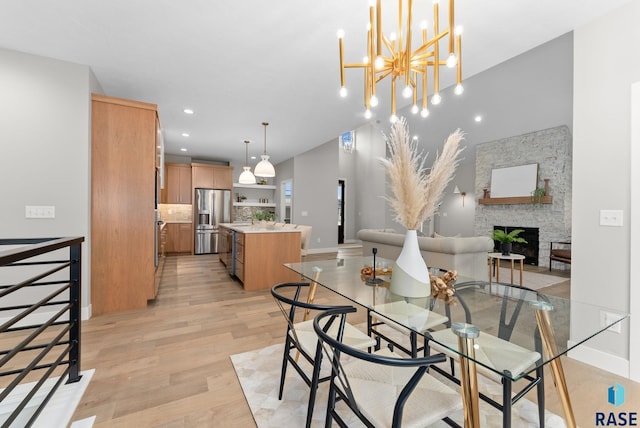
[
  {"x": 436, "y": 98},
  {"x": 393, "y": 118},
  {"x": 343, "y": 91},
  {"x": 423, "y": 25},
  {"x": 373, "y": 101},
  {"x": 392, "y": 37},
  {"x": 459, "y": 89},
  {"x": 379, "y": 63},
  {"x": 436, "y": 1},
  {"x": 407, "y": 91},
  {"x": 424, "y": 112},
  {"x": 414, "y": 109},
  {"x": 365, "y": 59},
  {"x": 459, "y": 29},
  {"x": 341, "y": 33},
  {"x": 452, "y": 60},
  {"x": 367, "y": 114}
]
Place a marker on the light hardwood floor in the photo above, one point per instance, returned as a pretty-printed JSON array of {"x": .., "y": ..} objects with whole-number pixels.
[{"x": 169, "y": 366}]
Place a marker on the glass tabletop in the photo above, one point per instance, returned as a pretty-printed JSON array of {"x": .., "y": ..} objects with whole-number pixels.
[{"x": 507, "y": 316}]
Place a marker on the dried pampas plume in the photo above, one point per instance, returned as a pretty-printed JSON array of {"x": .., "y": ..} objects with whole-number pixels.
[{"x": 416, "y": 192}]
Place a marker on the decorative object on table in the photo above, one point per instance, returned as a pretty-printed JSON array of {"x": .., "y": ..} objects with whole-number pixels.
[
  {"x": 443, "y": 287},
  {"x": 506, "y": 239},
  {"x": 415, "y": 196},
  {"x": 373, "y": 280}
]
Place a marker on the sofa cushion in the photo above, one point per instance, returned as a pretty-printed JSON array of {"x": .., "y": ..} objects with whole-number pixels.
[{"x": 439, "y": 245}]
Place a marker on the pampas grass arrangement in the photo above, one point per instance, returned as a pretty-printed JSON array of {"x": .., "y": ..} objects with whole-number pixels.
[{"x": 416, "y": 191}]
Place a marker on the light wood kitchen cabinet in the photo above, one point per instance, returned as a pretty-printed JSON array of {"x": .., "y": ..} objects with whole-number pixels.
[
  {"x": 179, "y": 237},
  {"x": 207, "y": 176},
  {"x": 259, "y": 266},
  {"x": 123, "y": 222},
  {"x": 177, "y": 189}
]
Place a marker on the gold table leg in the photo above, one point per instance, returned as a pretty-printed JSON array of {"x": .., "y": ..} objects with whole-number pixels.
[
  {"x": 550, "y": 349},
  {"x": 521, "y": 266},
  {"x": 467, "y": 333},
  {"x": 511, "y": 271}
]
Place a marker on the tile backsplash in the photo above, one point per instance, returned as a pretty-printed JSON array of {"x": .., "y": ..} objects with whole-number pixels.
[{"x": 176, "y": 212}]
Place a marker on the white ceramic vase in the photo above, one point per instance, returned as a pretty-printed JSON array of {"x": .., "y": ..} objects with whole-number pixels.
[{"x": 410, "y": 276}]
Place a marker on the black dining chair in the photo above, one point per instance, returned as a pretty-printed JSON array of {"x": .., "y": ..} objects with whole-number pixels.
[
  {"x": 301, "y": 339},
  {"x": 497, "y": 351},
  {"x": 381, "y": 389}
]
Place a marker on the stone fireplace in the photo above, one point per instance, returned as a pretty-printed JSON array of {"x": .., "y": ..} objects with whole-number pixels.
[{"x": 551, "y": 150}]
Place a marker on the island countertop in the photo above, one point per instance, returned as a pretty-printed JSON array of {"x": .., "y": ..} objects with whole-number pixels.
[
  {"x": 256, "y": 228},
  {"x": 256, "y": 254}
]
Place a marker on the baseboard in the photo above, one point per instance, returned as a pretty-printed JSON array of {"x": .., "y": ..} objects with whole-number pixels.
[
  {"x": 599, "y": 359},
  {"x": 85, "y": 312},
  {"x": 322, "y": 250}
]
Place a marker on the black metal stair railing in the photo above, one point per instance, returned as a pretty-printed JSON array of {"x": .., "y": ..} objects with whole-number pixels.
[{"x": 40, "y": 284}]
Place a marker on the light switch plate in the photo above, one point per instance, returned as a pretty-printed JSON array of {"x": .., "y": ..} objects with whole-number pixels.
[
  {"x": 39, "y": 211},
  {"x": 611, "y": 218}
]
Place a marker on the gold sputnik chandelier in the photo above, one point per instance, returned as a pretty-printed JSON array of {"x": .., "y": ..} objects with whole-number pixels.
[{"x": 412, "y": 67}]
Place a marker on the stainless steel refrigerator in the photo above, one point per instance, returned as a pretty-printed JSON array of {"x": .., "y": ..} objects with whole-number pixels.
[{"x": 212, "y": 207}]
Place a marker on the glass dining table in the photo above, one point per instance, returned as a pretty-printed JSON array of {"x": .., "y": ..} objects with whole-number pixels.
[{"x": 502, "y": 330}]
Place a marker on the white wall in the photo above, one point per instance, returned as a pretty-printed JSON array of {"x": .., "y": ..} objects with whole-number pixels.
[
  {"x": 315, "y": 198},
  {"x": 605, "y": 65},
  {"x": 45, "y": 136}
]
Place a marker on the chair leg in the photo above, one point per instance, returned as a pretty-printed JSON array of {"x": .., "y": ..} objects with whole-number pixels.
[
  {"x": 540, "y": 391},
  {"x": 506, "y": 403},
  {"x": 285, "y": 360},
  {"x": 413, "y": 337},
  {"x": 314, "y": 384}
]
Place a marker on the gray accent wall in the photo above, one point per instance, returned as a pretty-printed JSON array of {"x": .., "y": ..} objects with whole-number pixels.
[{"x": 45, "y": 112}]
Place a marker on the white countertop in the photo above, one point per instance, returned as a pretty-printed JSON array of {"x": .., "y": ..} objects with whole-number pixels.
[{"x": 256, "y": 228}]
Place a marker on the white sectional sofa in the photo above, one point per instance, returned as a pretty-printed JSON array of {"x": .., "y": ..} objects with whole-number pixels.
[{"x": 466, "y": 255}]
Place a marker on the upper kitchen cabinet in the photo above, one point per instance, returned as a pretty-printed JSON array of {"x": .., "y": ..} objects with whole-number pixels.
[
  {"x": 123, "y": 177},
  {"x": 177, "y": 189},
  {"x": 207, "y": 176}
]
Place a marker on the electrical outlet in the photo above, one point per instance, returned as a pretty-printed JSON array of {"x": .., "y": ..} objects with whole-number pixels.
[
  {"x": 39, "y": 211},
  {"x": 606, "y": 318}
]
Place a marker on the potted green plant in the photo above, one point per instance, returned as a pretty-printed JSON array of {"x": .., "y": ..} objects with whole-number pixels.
[
  {"x": 507, "y": 239},
  {"x": 537, "y": 195},
  {"x": 263, "y": 216}
]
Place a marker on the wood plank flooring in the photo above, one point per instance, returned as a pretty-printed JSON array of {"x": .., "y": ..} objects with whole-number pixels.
[{"x": 168, "y": 366}]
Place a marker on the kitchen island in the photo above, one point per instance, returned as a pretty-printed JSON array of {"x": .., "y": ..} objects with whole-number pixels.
[{"x": 255, "y": 255}]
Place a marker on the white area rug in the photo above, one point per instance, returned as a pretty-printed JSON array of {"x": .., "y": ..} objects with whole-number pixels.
[
  {"x": 532, "y": 280},
  {"x": 259, "y": 375}
]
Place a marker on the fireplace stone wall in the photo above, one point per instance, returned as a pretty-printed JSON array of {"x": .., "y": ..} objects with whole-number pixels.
[{"x": 551, "y": 150}]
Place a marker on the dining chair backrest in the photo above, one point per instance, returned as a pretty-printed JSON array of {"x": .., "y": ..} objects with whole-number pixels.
[{"x": 343, "y": 376}]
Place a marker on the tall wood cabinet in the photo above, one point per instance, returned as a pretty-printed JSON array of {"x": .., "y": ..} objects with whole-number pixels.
[{"x": 123, "y": 151}]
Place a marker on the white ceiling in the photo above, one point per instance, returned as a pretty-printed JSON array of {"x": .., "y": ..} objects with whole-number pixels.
[{"x": 238, "y": 63}]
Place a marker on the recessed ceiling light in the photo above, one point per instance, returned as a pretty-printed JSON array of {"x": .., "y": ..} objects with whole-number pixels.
[
  {"x": 187, "y": 111},
  {"x": 183, "y": 149},
  {"x": 184, "y": 134},
  {"x": 478, "y": 118},
  {"x": 253, "y": 157}
]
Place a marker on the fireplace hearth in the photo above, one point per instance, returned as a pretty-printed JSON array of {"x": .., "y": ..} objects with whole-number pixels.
[{"x": 530, "y": 250}]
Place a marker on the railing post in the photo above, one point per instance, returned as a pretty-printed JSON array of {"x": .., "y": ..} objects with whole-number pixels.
[{"x": 75, "y": 273}]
